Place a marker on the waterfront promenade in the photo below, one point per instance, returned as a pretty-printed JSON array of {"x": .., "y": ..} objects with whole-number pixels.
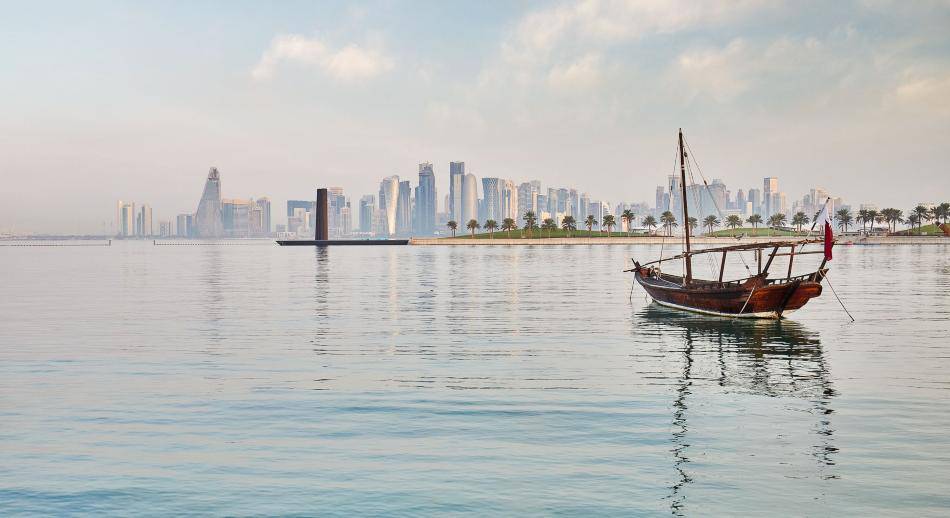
[{"x": 656, "y": 240}]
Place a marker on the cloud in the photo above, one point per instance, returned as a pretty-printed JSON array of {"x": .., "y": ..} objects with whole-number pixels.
[
  {"x": 607, "y": 22},
  {"x": 580, "y": 74},
  {"x": 740, "y": 67},
  {"x": 350, "y": 63}
]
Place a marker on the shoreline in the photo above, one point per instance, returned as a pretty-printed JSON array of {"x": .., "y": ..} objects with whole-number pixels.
[{"x": 656, "y": 240}]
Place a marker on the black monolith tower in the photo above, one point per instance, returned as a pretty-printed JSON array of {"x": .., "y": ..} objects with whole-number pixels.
[{"x": 320, "y": 221}]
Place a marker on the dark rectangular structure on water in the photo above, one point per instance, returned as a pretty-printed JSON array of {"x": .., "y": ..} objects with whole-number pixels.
[
  {"x": 322, "y": 237},
  {"x": 321, "y": 217}
]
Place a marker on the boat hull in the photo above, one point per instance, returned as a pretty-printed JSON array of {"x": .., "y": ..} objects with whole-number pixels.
[{"x": 756, "y": 297}]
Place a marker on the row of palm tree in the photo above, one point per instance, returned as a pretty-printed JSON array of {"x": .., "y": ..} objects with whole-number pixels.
[{"x": 843, "y": 217}]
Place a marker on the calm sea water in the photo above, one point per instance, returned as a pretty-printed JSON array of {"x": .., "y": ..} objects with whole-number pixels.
[{"x": 257, "y": 380}]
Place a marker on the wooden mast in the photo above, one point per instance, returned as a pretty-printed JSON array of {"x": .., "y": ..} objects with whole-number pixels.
[{"x": 689, "y": 260}]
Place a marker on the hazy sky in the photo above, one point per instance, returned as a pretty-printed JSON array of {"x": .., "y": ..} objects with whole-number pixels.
[{"x": 102, "y": 101}]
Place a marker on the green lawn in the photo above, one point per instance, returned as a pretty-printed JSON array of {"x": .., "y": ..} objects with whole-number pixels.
[
  {"x": 753, "y": 232},
  {"x": 926, "y": 230},
  {"x": 540, "y": 234}
]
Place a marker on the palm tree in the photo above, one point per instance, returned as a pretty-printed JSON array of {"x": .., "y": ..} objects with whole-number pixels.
[
  {"x": 777, "y": 220},
  {"x": 893, "y": 217},
  {"x": 490, "y": 226},
  {"x": 589, "y": 223},
  {"x": 923, "y": 214},
  {"x": 711, "y": 222},
  {"x": 872, "y": 216},
  {"x": 629, "y": 217},
  {"x": 844, "y": 218},
  {"x": 608, "y": 222},
  {"x": 879, "y": 218},
  {"x": 649, "y": 222},
  {"x": 669, "y": 221},
  {"x": 734, "y": 221},
  {"x": 473, "y": 225},
  {"x": 755, "y": 220},
  {"x": 800, "y": 219},
  {"x": 549, "y": 225},
  {"x": 569, "y": 225},
  {"x": 453, "y": 226},
  {"x": 530, "y": 221},
  {"x": 693, "y": 223},
  {"x": 913, "y": 219},
  {"x": 863, "y": 218},
  {"x": 508, "y": 224},
  {"x": 943, "y": 211}
]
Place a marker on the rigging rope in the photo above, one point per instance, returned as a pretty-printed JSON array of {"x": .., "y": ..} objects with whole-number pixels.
[{"x": 706, "y": 185}]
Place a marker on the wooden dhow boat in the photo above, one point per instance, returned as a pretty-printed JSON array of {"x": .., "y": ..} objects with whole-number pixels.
[{"x": 756, "y": 296}]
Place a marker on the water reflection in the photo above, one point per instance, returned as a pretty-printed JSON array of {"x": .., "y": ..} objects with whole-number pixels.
[{"x": 774, "y": 358}]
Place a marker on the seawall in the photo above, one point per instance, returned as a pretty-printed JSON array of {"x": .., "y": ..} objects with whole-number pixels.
[{"x": 656, "y": 240}]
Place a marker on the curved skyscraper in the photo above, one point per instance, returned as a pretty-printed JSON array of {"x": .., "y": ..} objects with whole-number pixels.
[
  {"x": 388, "y": 200},
  {"x": 208, "y": 216}
]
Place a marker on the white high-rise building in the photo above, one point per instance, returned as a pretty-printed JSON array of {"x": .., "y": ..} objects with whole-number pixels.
[
  {"x": 491, "y": 191},
  {"x": 469, "y": 199},
  {"x": 388, "y": 203},
  {"x": 509, "y": 200},
  {"x": 456, "y": 179}
]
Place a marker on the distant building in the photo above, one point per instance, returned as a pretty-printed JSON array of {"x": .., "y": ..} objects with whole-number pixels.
[
  {"x": 509, "y": 201},
  {"x": 125, "y": 219},
  {"x": 755, "y": 201},
  {"x": 208, "y": 216},
  {"x": 769, "y": 196},
  {"x": 426, "y": 197},
  {"x": 183, "y": 225},
  {"x": 388, "y": 201},
  {"x": 456, "y": 181},
  {"x": 404, "y": 209},
  {"x": 263, "y": 204},
  {"x": 143, "y": 222},
  {"x": 367, "y": 213},
  {"x": 491, "y": 191},
  {"x": 527, "y": 201},
  {"x": 469, "y": 200}
]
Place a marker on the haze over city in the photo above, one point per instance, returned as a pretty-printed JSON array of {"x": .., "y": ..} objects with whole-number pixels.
[{"x": 107, "y": 101}]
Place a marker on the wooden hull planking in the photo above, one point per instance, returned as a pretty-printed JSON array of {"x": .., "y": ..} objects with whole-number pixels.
[{"x": 754, "y": 298}]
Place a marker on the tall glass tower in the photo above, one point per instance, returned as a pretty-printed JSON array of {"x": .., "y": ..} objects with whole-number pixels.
[{"x": 208, "y": 217}]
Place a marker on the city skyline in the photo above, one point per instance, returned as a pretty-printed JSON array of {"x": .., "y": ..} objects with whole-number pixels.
[
  {"x": 849, "y": 95},
  {"x": 400, "y": 209}
]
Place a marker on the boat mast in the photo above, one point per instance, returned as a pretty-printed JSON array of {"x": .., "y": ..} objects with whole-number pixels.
[{"x": 689, "y": 260}]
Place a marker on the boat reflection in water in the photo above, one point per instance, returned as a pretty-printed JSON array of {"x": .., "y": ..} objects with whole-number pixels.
[{"x": 771, "y": 358}]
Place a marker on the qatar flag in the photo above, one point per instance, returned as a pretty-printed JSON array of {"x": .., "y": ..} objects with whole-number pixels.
[{"x": 824, "y": 218}]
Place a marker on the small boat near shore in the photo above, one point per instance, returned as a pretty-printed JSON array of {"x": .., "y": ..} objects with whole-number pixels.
[{"x": 756, "y": 296}]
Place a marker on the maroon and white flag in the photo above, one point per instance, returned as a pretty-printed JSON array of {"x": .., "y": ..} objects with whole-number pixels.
[{"x": 824, "y": 219}]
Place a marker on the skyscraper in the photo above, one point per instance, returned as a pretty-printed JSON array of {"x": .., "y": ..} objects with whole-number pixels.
[
  {"x": 264, "y": 205},
  {"x": 527, "y": 201},
  {"x": 456, "y": 179},
  {"x": 769, "y": 188},
  {"x": 491, "y": 191},
  {"x": 509, "y": 201},
  {"x": 469, "y": 199},
  {"x": 404, "y": 209},
  {"x": 367, "y": 211},
  {"x": 388, "y": 194},
  {"x": 755, "y": 200},
  {"x": 425, "y": 200},
  {"x": 125, "y": 219},
  {"x": 184, "y": 224},
  {"x": 144, "y": 223},
  {"x": 208, "y": 216}
]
